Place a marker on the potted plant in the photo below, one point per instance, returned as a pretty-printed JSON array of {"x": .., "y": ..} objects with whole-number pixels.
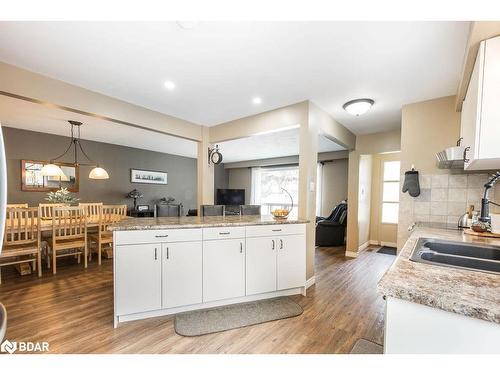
[{"x": 61, "y": 196}]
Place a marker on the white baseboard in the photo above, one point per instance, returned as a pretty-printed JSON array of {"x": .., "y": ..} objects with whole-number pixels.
[
  {"x": 351, "y": 254},
  {"x": 364, "y": 246},
  {"x": 391, "y": 244},
  {"x": 310, "y": 282},
  {"x": 374, "y": 242}
]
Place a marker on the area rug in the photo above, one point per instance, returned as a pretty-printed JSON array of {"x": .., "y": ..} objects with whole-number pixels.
[
  {"x": 387, "y": 250},
  {"x": 363, "y": 346},
  {"x": 217, "y": 319}
]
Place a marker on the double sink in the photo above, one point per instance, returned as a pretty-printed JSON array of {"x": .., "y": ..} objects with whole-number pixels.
[{"x": 457, "y": 254}]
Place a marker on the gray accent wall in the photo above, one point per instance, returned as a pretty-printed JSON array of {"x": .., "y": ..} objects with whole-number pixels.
[{"x": 117, "y": 160}]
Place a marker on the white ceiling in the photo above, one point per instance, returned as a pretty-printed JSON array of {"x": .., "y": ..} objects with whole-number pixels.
[
  {"x": 271, "y": 145},
  {"x": 218, "y": 67},
  {"x": 20, "y": 114}
]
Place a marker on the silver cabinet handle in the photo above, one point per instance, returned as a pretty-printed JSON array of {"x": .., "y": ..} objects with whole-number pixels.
[
  {"x": 168, "y": 257},
  {"x": 281, "y": 244},
  {"x": 273, "y": 245},
  {"x": 465, "y": 154},
  {"x": 156, "y": 253},
  {"x": 276, "y": 230},
  {"x": 241, "y": 247},
  {"x": 161, "y": 235},
  {"x": 222, "y": 233}
]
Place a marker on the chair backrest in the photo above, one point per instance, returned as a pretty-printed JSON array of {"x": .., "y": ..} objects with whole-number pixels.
[
  {"x": 21, "y": 226},
  {"x": 46, "y": 209},
  {"x": 212, "y": 210},
  {"x": 17, "y": 205},
  {"x": 110, "y": 214},
  {"x": 68, "y": 223},
  {"x": 90, "y": 209},
  {"x": 250, "y": 209},
  {"x": 168, "y": 210}
]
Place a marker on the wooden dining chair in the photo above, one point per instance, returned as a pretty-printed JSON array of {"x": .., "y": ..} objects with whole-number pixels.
[
  {"x": 69, "y": 235},
  {"x": 17, "y": 205},
  {"x": 108, "y": 214},
  {"x": 91, "y": 210},
  {"x": 21, "y": 243},
  {"x": 46, "y": 209}
]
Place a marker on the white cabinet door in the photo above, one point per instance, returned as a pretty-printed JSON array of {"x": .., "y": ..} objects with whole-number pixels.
[
  {"x": 490, "y": 104},
  {"x": 261, "y": 265},
  {"x": 138, "y": 278},
  {"x": 291, "y": 261},
  {"x": 182, "y": 270},
  {"x": 223, "y": 269}
]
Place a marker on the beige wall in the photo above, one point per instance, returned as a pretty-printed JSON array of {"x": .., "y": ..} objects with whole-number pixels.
[
  {"x": 330, "y": 128},
  {"x": 334, "y": 184},
  {"x": 426, "y": 128},
  {"x": 381, "y": 233},
  {"x": 365, "y": 145},
  {"x": 364, "y": 198},
  {"x": 429, "y": 127}
]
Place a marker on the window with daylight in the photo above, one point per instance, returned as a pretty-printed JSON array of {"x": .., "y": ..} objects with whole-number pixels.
[
  {"x": 267, "y": 184},
  {"x": 390, "y": 192}
]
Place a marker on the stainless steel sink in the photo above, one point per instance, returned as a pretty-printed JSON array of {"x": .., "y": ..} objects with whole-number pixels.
[{"x": 457, "y": 254}]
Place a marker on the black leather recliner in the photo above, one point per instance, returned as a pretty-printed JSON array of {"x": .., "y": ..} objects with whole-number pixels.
[{"x": 330, "y": 231}]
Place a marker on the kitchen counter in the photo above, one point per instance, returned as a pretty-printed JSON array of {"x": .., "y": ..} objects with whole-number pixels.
[
  {"x": 185, "y": 222},
  {"x": 470, "y": 293}
]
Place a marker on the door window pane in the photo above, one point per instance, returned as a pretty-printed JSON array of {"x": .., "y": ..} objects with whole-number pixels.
[
  {"x": 391, "y": 192},
  {"x": 391, "y": 170},
  {"x": 390, "y": 213}
]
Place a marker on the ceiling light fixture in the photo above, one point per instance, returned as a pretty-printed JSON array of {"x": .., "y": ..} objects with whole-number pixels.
[
  {"x": 169, "y": 85},
  {"x": 257, "y": 100},
  {"x": 358, "y": 107},
  {"x": 53, "y": 170}
]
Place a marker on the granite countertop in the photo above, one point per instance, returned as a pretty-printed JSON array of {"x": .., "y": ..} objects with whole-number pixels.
[
  {"x": 183, "y": 222},
  {"x": 470, "y": 293}
]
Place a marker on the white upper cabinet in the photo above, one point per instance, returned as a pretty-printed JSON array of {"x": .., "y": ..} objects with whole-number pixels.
[{"x": 480, "y": 121}]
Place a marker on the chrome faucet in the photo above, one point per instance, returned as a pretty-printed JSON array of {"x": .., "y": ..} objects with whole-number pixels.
[{"x": 485, "y": 202}]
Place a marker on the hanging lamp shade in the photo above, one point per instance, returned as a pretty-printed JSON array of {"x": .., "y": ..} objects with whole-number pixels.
[
  {"x": 52, "y": 170},
  {"x": 98, "y": 173}
]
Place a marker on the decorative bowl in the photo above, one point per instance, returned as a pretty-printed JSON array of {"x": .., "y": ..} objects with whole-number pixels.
[{"x": 281, "y": 213}]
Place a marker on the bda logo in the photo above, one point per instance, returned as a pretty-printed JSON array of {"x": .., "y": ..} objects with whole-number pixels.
[{"x": 8, "y": 347}]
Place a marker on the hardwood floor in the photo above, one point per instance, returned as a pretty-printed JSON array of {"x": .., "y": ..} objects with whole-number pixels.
[{"x": 73, "y": 311}]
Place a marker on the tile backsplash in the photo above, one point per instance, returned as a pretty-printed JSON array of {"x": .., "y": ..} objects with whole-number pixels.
[{"x": 445, "y": 197}]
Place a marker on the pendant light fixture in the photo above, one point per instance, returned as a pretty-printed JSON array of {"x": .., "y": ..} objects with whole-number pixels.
[{"x": 53, "y": 170}]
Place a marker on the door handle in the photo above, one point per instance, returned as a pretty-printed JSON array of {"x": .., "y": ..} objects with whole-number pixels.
[
  {"x": 281, "y": 244},
  {"x": 156, "y": 253},
  {"x": 273, "y": 244},
  {"x": 241, "y": 247}
]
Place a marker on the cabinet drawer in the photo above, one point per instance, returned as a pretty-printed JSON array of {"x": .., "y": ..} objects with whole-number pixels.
[
  {"x": 157, "y": 235},
  {"x": 220, "y": 233},
  {"x": 275, "y": 230}
]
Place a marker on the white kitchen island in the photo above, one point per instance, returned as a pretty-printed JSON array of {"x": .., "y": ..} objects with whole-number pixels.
[{"x": 168, "y": 265}]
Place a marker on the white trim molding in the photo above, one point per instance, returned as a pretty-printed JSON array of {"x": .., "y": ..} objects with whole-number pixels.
[
  {"x": 363, "y": 246},
  {"x": 310, "y": 282},
  {"x": 351, "y": 254}
]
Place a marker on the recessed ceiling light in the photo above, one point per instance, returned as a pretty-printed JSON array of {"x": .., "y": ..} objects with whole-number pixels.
[
  {"x": 257, "y": 100},
  {"x": 169, "y": 85},
  {"x": 358, "y": 107}
]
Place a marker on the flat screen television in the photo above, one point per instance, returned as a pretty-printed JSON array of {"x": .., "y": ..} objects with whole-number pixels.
[{"x": 231, "y": 197}]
